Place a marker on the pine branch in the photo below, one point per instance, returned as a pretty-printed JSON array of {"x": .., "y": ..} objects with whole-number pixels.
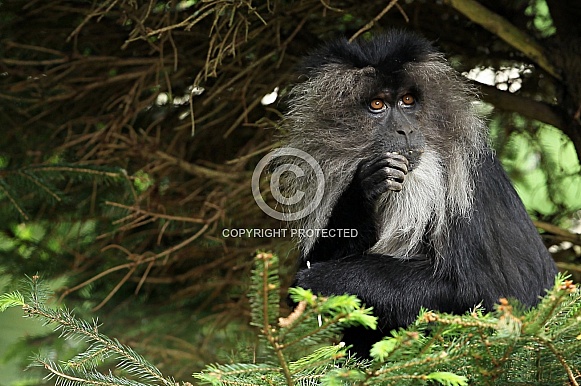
[
  {"x": 81, "y": 370},
  {"x": 41, "y": 180},
  {"x": 65, "y": 377},
  {"x": 311, "y": 325},
  {"x": 10, "y": 194},
  {"x": 265, "y": 307},
  {"x": 510, "y": 344},
  {"x": 493, "y": 348}
]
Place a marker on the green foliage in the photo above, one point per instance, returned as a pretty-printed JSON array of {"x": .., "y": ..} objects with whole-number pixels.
[
  {"x": 13, "y": 299},
  {"x": 132, "y": 368},
  {"x": 541, "y": 18},
  {"x": 543, "y": 166},
  {"x": 21, "y": 186},
  {"x": 540, "y": 346},
  {"x": 42, "y": 241},
  {"x": 285, "y": 340}
]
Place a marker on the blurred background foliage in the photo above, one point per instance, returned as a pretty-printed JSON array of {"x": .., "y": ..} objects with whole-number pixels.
[{"x": 130, "y": 130}]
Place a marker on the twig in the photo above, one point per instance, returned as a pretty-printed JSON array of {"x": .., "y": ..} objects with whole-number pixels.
[
  {"x": 369, "y": 25},
  {"x": 194, "y": 169},
  {"x": 116, "y": 288},
  {"x": 328, "y": 6},
  {"x": 156, "y": 215},
  {"x": 107, "y": 5}
]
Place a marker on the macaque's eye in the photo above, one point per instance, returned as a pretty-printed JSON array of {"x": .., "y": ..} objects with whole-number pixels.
[
  {"x": 407, "y": 100},
  {"x": 377, "y": 105}
]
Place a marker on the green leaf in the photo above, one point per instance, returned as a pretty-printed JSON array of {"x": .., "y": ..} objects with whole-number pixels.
[
  {"x": 381, "y": 350},
  {"x": 13, "y": 299},
  {"x": 448, "y": 379}
]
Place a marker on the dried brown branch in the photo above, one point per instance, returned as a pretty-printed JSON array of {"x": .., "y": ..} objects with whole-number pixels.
[
  {"x": 194, "y": 169},
  {"x": 155, "y": 216}
]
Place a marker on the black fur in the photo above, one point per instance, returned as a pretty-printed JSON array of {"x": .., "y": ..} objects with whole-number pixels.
[
  {"x": 488, "y": 251},
  {"x": 386, "y": 52},
  {"x": 496, "y": 253}
]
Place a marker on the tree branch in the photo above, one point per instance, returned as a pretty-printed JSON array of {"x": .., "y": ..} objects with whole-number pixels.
[
  {"x": 506, "y": 31},
  {"x": 529, "y": 108},
  {"x": 540, "y": 111}
]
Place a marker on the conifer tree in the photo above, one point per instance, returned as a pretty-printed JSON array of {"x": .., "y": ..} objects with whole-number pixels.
[{"x": 541, "y": 346}]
